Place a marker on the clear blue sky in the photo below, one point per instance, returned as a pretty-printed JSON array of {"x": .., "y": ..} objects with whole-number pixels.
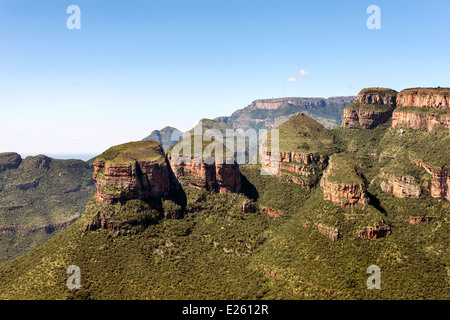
[{"x": 136, "y": 66}]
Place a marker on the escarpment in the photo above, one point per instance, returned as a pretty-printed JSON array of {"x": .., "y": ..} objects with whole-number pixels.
[
  {"x": 423, "y": 108},
  {"x": 372, "y": 107}
]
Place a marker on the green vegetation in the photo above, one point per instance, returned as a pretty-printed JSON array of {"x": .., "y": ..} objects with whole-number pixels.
[
  {"x": 215, "y": 251},
  {"x": 343, "y": 170},
  {"x": 39, "y": 199},
  {"x": 129, "y": 152}
]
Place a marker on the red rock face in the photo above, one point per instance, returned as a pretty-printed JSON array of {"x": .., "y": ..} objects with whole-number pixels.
[
  {"x": 298, "y": 163},
  {"x": 374, "y": 232},
  {"x": 438, "y": 186},
  {"x": 225, "y": 178},
  {"x": 383, "y": 97},
  {"x": 343, "y": 194},
  {"x": 273, "y": 213},
  {"x": 364, "y": 119},
  {"x": 420, "y": 120},
  {"x": 418, "y": 220},
  {"x": 428, "y": 98},
  {"x": 118, "y": 182}
]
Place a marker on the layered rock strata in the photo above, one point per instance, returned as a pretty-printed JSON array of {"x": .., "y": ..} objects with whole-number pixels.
[
  {"x": 342, "y": 185},
  {"x": 372, "y": 107}
]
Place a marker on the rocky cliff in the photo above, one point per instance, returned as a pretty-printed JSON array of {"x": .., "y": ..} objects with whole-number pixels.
[
  {"x": 136, "y": 170},
  {"x": 423, "y": 108},
  {"x": 400, "y": 187},
  {"x": 372, "y": 107},
  {"x": 439, "y": 184},
  {"x": 341, "y": 184},
  {"x": 9, "y": 160},
  {"x": 225, "y": 178},
  {"x": 425, "y": 98}
]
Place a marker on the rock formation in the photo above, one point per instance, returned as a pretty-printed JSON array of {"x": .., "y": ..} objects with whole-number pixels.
[
  {"x": 341, "y": 184},
  {"x": 423, "y": 108},
  {"x": 372, "y": 107},
  {"x": 126, "y": 176},
  {"x": 224, "y": 177},
  {"x": 331, "y": 233},
  {"x": 420, "y": 120},
  {"x": 9, "y": 160},
  {"x": 425, "y": 98},
  {"x": 375, "y": 232},
  {"x": 439, "y": 184},
  {"x": 400, "y": 187}
]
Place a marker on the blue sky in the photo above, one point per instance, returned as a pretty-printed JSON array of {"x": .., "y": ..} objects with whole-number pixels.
[{"x": 136, "y": 66}]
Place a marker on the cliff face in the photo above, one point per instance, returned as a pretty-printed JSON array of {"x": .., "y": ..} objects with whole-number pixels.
[
  {"x": 272, "y": 104},
  {"x": 400, "y": 187},
  {"x": 341, "y": 184},
  {"x": 425, "y": 98},
  {"x": 438, "y": 186},
  {"x": 380, "y": 96},
  {"x": 224, "y": 178},
  {"x": 9, "y": 160},
  {"x": 423, "y": 108},
  {"x": 372, "y": 107},
  {"x": 118, "y": 182},
  {"x": 420, "y": 120}
]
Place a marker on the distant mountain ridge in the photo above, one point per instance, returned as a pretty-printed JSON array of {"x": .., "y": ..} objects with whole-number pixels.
[
  {"x": 167, "y": 136},
  {"x": 270, "y": 113}
]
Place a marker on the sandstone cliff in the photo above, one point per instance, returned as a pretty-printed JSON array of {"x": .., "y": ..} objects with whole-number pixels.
[
  {"x": 372, "y": 107},
  {"x": 224, "y": 178},
  {"x": 439, "y": 184},
  {"x": 341, "y": 184},
  {"x": 131, "y": 171},
  {"x": 423, "y": 108}
]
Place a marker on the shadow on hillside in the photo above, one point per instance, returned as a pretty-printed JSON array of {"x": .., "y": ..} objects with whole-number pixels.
[
  {"x": 376, "y": 203},
  {"x": 248, "y": 189}
]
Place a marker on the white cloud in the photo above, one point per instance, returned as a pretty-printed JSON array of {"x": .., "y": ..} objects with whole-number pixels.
[{"x": 302, "y": 74}]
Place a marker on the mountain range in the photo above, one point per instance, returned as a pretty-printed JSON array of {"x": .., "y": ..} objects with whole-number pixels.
[{"x": 371, "y": 192}]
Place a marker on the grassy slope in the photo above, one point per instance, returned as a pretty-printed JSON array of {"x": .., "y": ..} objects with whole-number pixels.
[{"x": 58, "y": 198}]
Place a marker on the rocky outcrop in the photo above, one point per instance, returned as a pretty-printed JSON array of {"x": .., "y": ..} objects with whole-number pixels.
[
  {"x": 224, "y": 178},
  {"x": 248, "y": 207},
  {"x": 420, "y": 120},
  {"x": 375, "y": 232},
  {"x": 356, "y": 117},
  {"x": 423, "y": 108},
  {"x": 439, "y": 184},
  {"x": 135, "y": 170},
  {"x": 372, "y": 107},
  {"x": 342, "y": 185},
  {"x": 9, "y": 160},
  {"x": 118, "y": 182},
  {"x": 272, "y": 212},
  {"x": 331, "y": 233},
  {"x": 418, "y": 220},
  {"x": 400, "y": 187},
  {"x": 424, "y": 98},
  {"x": 380, "y": 96},
  {"x": 304, "y": 166}
]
